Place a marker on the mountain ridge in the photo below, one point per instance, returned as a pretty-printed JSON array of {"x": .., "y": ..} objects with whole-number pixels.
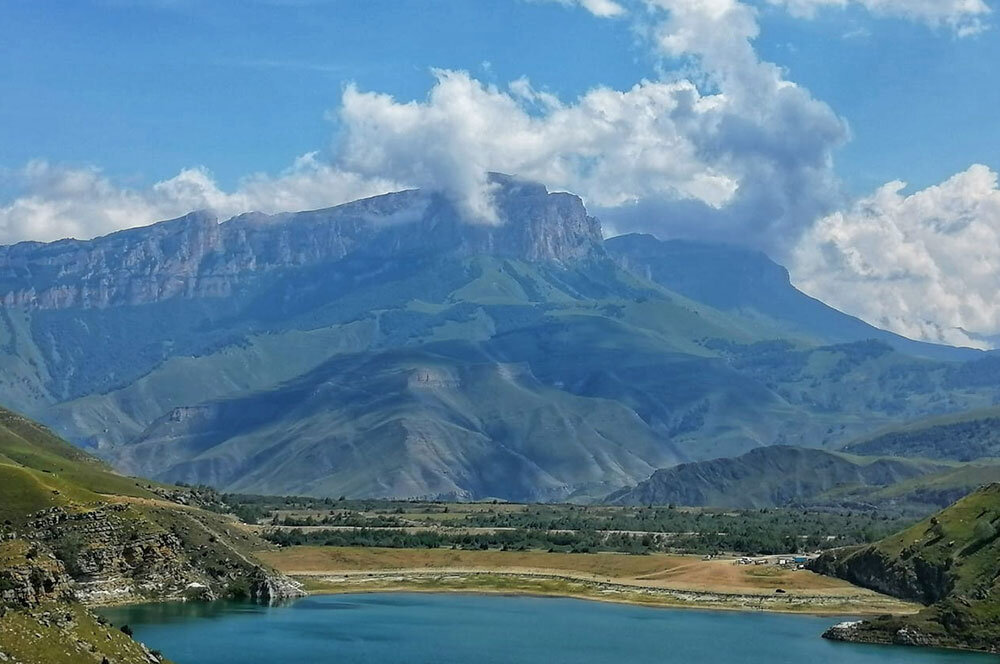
[
  {"x": 768, "y": 477},
  {"x": 745, "y": 281},
  {"x": 197, "y": 256},
  {"x": 600, "y": 374}
]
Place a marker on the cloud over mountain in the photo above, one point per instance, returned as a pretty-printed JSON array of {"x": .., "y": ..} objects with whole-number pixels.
[{"x": 58, "y": 202}]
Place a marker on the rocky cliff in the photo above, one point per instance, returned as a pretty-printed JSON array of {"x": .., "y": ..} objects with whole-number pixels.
[
  {"x": 40, "y": 620},
  {"x": 128, "y": 553},
  {"x": 30, "y": 575},
  {"x": 195, "y": 256}
]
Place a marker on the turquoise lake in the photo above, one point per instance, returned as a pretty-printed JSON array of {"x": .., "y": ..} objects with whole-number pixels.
[{"x": 473, "y": 629}]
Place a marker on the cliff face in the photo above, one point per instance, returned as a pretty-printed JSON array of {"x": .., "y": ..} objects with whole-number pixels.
[
  {"x": 30, "y": 575},
  {"x": 912, "y": 578},
  {"x": 120, "y": 552},
  {"x": 195, "y": 256}
]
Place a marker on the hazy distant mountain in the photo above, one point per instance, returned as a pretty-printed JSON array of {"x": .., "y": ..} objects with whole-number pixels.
[
  {"x": 388, "y": 347},
  {"x": 748, "y": 283},
  {"x": 769, "y": 477}
]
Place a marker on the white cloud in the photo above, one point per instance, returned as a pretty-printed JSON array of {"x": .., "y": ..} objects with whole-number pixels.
[
  {"x": 765, "y": 132},
  {"x": 926, "y": 265},
  {"x": 734, "y": 147},
  {"x": 753, "y": 154},
  {"x": 602, "y": 8},
  {"x": 612, "y": 147},
  {"x": 58, "y": 202},
  {"x": 965, "y": 17}
]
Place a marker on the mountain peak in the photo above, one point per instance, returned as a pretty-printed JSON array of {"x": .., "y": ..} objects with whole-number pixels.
[{"x": 195, "y": 256}]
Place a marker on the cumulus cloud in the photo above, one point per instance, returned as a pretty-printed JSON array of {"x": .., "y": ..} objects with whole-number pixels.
[
  {"x": 765, "y": 132},
  {"x": 925, "y": 265},
  {"x": 965, "y": 17},
  {"x": 734, "y": 147},
  {"x": 57, "y": 202},
  {"x": 613, "y": 147}
]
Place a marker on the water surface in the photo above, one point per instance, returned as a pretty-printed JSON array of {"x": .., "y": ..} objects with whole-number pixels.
[{"x": 472, "y": 629}]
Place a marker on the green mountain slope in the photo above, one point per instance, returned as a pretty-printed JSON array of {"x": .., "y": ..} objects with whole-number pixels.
[
  {"x": 951, "y": 562},
  {"x": 55, "y": 495},
  {"x": 961, "y": 437},
  {"x": 769, "y": 477},
  {"x": 746, "y": 282},
  {"x": 442, "y": 421}
]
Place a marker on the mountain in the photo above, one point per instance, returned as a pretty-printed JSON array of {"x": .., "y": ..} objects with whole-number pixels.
[
  {"x": 961, "y": 437},
  {"x": 74, "y": 532},
  {"x": 950, "y": 562},
  {"x": 391, "y": 347},
  {"x": 769, "y": 477},
  {"x": 748, "y": 283}
]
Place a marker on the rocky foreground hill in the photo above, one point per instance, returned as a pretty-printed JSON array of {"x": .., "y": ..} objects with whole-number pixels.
[
  {"x": 75, "y": 534},
  {"x": 950, "y": 562}
]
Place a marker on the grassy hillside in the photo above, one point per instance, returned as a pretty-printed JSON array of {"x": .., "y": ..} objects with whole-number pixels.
[
  {"x": 74, "y": 529},
  {"x": 40, "y": 470},
  {"x": 770, "y": 477},
  {"x": 962, "y": 437},
  {"x": 951, "y": 562}
]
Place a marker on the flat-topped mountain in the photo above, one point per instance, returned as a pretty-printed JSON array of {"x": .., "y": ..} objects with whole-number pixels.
[
  {"x": 391, "y": 347},
  {"x": 196, "y": 256}
]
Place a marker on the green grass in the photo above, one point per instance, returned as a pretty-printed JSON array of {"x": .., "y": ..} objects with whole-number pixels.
[
  {"x": 73, "y": 635},
  {"x": 38, "y": 470}
]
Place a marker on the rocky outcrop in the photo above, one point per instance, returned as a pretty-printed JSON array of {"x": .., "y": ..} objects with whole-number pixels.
[
  {"x": 910, "y": 577},
  {"x": 860, "y": 631},
  {"x": 30, "y": 575},
  {"x": 195, "y": 256},
  {"x": 116, "y": 553},
  {"x": 270, "y": 588}
]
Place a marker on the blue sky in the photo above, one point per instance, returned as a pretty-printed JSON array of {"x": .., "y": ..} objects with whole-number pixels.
[
  {"x": 785, "y": 125},
  {"x": 145, "y": 89}
]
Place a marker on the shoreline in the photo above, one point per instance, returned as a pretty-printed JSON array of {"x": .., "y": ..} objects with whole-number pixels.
[{"x": 514, "y": 583}]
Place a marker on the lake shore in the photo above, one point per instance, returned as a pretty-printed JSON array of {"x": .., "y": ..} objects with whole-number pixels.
[
  {"x": 665, "y": 581},
  {"x": 538, "y": 585}
]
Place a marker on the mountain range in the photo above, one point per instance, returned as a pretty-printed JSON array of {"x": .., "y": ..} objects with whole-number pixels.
[{"x": 389, "y": 347}]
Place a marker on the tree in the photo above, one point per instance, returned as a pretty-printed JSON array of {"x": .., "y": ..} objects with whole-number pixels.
[{"x": 984, "y": 531}]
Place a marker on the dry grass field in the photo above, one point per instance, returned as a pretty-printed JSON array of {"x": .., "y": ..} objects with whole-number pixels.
[
  {"x": 689, "y": 573},
  {"x": 652, "y": 580}
]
